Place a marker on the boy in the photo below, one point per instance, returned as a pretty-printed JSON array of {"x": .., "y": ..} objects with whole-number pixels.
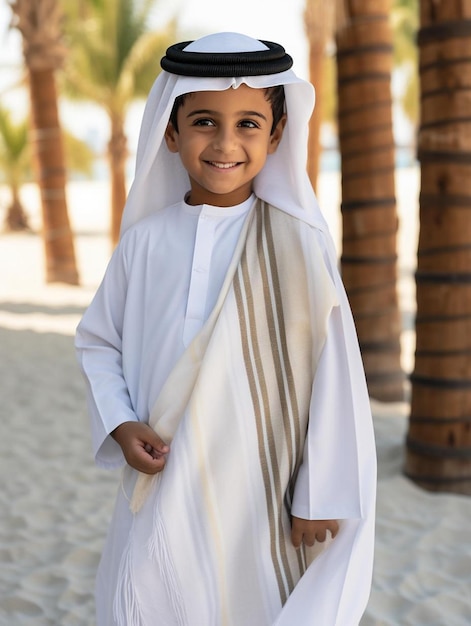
[{"x": 222, "y": 364}]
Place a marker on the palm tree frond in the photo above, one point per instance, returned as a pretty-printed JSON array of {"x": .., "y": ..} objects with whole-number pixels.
[
  {"x": 143, "y": 62},
  {"x": 13, "y": 136}
]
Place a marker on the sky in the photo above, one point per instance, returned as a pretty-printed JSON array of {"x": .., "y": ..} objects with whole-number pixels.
[{"x": 276, "y": 20}]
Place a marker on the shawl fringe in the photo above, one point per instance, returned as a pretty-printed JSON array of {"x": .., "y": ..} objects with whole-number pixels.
[
  {"x": 126, "y": 608},
  {"x": 158, "y": 550}
]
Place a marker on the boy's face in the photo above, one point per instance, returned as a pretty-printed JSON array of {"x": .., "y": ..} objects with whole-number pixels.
[{"x": 223, "y": 141}]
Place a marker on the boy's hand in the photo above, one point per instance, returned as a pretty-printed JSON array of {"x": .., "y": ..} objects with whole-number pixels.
[
  {"x": 143, "y": 449},
  {"x": 309, "y": 531}
]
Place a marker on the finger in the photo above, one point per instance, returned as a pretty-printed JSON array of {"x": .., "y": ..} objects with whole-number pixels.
[
  {"x": 334, "y": 529},
  {"x": 144, "y": 458},
  {"x": 149, "y": 465},
  {"x": 321, "y": 535},
  {"x": 150, "y": 454},
  {"x": 156, "y": 442},
  {"x": 155, "y": 454},
  {"x": 296, "y": 537}
]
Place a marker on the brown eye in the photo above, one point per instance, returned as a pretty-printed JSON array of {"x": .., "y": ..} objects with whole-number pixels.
[
  {"x": 248, "y": 124},
  {"x": 203, "y": 122}
]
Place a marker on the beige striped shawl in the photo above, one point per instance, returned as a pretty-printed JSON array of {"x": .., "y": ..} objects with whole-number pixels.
[{"x": 236, "y": 410}]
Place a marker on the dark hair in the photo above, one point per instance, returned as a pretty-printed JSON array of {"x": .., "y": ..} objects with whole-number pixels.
[{"x": 274, "y": 95}]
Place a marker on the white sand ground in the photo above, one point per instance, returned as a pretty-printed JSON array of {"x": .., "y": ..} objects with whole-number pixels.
[{"x": 55, "y": 505}]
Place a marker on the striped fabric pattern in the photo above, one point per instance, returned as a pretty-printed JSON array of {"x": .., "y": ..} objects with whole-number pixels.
[{"x": 262, "y": 328}]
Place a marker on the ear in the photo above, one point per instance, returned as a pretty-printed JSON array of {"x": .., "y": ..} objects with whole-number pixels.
[
  {"x": 171, "y": 138},
  {"x": 276, "y": 135}
]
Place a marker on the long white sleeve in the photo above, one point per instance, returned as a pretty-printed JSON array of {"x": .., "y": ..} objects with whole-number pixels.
[
  {"x": 99, "y": 350},
  {"x": 327, "y": 485},
  {"x": 337, "y": 480}
]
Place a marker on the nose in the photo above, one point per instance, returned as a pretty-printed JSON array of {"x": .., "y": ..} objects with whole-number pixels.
[{"x": 225, "y": 139}]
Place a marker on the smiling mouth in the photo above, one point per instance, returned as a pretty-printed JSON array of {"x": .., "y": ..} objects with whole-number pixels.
[{"x": 222, "y": 166}]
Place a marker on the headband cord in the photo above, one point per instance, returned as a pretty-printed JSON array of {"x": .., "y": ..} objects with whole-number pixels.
[{"x": 224, "y": 64}]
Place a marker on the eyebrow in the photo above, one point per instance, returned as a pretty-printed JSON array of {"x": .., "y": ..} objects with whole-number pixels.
[{"x": 215, "y": 113}]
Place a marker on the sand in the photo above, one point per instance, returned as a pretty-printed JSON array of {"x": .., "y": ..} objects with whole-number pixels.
[{"x": 55, "y": 505}]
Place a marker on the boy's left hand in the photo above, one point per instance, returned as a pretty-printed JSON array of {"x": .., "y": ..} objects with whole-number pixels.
[{"x": 309, "y": 531}]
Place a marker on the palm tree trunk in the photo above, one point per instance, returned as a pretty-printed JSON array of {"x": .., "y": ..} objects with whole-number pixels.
[
  {"x": 51, "y": 176},
  {"x": 117, "y": 154},
  {"x": 369, "y": 217},
  {"x": 318, "y": 20},
  {"x": 39, "y": 22},
  {"x": 16, "y": 218},
  {"x": 438, "y": 445}
]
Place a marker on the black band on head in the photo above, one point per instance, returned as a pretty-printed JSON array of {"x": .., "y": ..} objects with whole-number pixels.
[{"x": 226, "y": 64}]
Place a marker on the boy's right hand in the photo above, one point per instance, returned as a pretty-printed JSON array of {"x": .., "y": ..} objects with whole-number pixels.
[{"x": 143, "y": 449}]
